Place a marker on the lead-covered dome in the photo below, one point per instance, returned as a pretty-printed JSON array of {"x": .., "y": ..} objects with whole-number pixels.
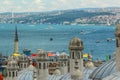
[
  {"x": 76, "y": 43},
  {"x": 104, "y": 70}
]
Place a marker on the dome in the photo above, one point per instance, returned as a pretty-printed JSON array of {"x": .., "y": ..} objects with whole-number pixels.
[
  {"x": 23, "y": 57},
  {"x": 63, "y": 53},
  {"x": 76, "y": 43},
  {"x": 40, "y": 51},
  {"x": 114, "y": 76},
  {"x": 104, "y": 70},
  {"x": 12, "y": 62},
  {"x": 89, "y": 64},
  {"x": 16, "y": 54},
  {"x": 57, "y": 72},
  {"x": 118, "y": 27},
  {"x": 77, "y": 75}
]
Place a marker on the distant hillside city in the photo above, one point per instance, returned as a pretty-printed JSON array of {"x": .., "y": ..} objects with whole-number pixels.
[{"x": 102, "y": 16}]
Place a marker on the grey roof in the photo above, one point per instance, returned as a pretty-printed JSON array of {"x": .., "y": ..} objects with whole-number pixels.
[
  {"x": 104, "y": 70},
  {"x": 114, "y": 76},
  {"x": 27, "y": 74}
]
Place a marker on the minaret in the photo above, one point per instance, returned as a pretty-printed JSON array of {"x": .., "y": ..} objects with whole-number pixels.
[
  {"x": 117, "y": 35},
  {"x": 42, "y": 65},
  {"x": 76, "y": 47},
  {"x": 16, "y": 41}
]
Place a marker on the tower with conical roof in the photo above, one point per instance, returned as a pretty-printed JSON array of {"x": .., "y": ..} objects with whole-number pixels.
[
  {"x": 117, "y": 35},
  {"x": 76, "y": 47},
  {"x": 16, "y": 41}
]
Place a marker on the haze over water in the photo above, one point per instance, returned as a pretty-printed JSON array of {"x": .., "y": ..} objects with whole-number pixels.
[{"x": 38, "y": 37}]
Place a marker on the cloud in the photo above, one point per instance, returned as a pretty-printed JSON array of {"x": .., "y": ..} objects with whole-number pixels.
[{"x": 46, "y": 5}]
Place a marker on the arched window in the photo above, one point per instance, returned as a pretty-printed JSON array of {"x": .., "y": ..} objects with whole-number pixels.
[
  {"x": 24, "y": 65},
  {"x": 9, "y": 74},
  {"x": 13, "y": 74},
  {"x": 43, "y": 65},
  {"x": 16, "y": 73},
  {"x": 73, "y": 56},
  {"x": 117, "y": 44},
  {"x": 39, "y": 65},
  {"x": 21, "y": 65}
]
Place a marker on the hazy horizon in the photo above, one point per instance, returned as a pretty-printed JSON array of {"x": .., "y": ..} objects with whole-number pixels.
[{"x": 52, "y": 5}]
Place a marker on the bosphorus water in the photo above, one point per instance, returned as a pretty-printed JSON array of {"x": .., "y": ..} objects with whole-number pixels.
[{"x": 38, "y": 37}]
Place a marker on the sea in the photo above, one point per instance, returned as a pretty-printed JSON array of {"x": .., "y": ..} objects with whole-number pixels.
[{"x": 39, "y": 36}]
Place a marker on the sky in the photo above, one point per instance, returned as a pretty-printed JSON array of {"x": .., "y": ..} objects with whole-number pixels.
[{"x": 49, "y": 5}]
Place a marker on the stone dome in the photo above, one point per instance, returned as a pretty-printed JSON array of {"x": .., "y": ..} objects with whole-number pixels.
[
  {"x": 12, "y": 62},
  {"x": 77, "y": 75},
  {"x": 89, "y": 64},
  {"x": 40, "y": 51},
  {"x": 76, "y": 43},
  {"x": 23, "y": 57},
  {"x": 57, "y": 72}
]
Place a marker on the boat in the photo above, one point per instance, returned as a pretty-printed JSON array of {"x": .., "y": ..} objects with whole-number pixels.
[
  {"x": 97, "y": 41},
  {"x": 109, "y": 39},
  {"x": 81, "y": 32},
  {"x": 51, "y": 39}
]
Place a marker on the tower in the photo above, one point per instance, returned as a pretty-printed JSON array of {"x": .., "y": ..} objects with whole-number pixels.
[
  {"x": 42, "y": 65},
  {"x": 16, "y": 41},
  {"x": 76, "y": 47},
  {"x": 63, "y": 63},
  {"x": 117, "y": 35},
  {"x": 12, "y": 69},
  {"x": 23, "y": 62}
]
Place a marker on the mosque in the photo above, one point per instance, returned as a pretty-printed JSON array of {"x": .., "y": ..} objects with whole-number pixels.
[{"x": 63, "y": 67}]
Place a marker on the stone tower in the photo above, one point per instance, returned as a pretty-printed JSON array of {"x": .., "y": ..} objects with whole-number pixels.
[
  {"x": 12, "y": 69},
  {"x": 117, "y": 35},
  {"x": 23, "y": 62},
  {"x": 76, "y": 47},
  {"x": 16, "y": 41},
  {"x": 42, "y": 65},
  {"x": 63, "y": 63}
]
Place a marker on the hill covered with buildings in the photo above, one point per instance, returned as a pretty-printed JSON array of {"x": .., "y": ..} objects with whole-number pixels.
[{"x": 105, "y": 16}]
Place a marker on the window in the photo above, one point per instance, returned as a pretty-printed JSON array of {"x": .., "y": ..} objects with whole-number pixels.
[
  {"x": 39, "y": 65},
  {"x": 44, "y": 66},
  {"x": 117, "y": 44},
  {"x": 9, "y": 74},
  {"x": 13, "y": 74},
  {"x": 73, "y": 56}
]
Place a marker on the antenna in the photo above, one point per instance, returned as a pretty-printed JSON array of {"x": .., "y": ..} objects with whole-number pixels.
[{"x": 12, "y": 17}]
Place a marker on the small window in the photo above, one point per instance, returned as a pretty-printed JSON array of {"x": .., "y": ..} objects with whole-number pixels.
[
  {"x": 117, "y": 44},
  {"x": 9, "y": 74},
  {"x": 44, "y": 66},
  {"x": 13, "y": 74},
  {"x": 39, "y": 65}
]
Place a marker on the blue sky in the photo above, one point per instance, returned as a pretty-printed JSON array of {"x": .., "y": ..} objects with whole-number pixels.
[{"x": 48, "y": 5}]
